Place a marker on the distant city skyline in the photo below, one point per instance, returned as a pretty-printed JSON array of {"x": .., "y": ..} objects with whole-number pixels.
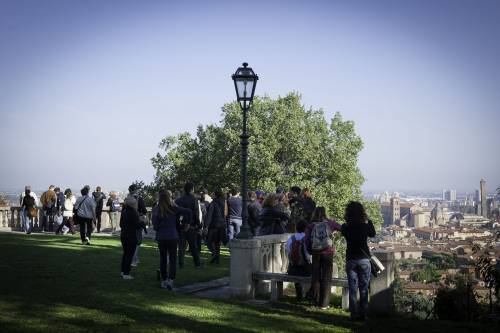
[{"x": 89, "y": 88}]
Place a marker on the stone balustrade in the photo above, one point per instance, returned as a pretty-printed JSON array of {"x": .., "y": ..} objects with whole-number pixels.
[
  {"x": 10, "y": 217},
  {"x": 267, "y": 254}
]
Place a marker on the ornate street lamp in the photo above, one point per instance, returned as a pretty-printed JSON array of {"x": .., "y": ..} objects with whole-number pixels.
[{"x": 245, "y": 81}]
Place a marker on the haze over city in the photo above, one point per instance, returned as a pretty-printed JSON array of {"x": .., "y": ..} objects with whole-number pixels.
[{"x": 88, "y": 89}]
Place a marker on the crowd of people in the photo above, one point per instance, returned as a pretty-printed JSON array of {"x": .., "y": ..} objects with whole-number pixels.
[{"x": 188, "y": 220}]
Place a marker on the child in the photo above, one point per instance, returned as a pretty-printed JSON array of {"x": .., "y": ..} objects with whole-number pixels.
[{"x": 299, "y": 260}]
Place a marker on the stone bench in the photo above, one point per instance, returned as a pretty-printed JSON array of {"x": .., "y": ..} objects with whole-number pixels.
[{"x": 277, "y": 280}]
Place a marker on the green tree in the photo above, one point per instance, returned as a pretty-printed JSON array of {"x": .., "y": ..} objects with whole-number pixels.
[{"x": 289, "y": 145}]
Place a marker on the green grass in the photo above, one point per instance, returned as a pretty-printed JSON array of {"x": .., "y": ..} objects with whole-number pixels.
[{"x": 54, "y": 284}]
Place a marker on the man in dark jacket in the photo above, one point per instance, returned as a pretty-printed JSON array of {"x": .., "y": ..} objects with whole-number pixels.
[
  {"x": 99, "y": 202},
  {"x": 254, "y": 209},
  {"x": 189, "y": 229}
]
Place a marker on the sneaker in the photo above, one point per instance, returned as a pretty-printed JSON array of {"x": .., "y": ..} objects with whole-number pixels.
[
  {"x": 121, "y": 274},
  {"x": 170, "y": 284},
  {"x": 134, "y": 264},
  {"x": 325, "y": 307},
  {"x": 87, "y": 241},
  {"x": 164, "y": 284},
  {"x": 127, "y": 277}
]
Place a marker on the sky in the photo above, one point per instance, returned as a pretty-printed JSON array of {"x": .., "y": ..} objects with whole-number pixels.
[{"x": 89, "y": 88}]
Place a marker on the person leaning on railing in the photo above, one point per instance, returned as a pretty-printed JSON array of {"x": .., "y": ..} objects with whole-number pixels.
[{"x": 356, "y": 231}]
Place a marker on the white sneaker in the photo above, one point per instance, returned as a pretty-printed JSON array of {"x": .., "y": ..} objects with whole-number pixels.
[
  {"x": 164, "y": 284},
  {"x": 127, "y": 277},
  {"x": 170, "y": 284},
  {"x": 87, "y": 241},
  {"x": 134, "y": 264}
]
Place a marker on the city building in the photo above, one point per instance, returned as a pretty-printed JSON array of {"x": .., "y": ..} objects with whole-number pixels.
[{"x": 482, "y": 189}]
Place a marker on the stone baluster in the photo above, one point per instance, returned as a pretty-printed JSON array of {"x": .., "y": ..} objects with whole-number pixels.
[
  {"x": 382, "y": 287},
  {"x": 245, "y": 259}
]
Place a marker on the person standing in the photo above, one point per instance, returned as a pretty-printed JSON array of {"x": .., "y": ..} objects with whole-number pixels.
[
  {"x": 27, "y": 221},
  {"x": 164, "y": 217},
  {"x": 319, "y": 241},
  {"x": 254, "y": 209},
  {"x": 271, "y": 220},
  {"x": 356, "y": 231},
  {"x": 85, "y": 214},
  {"x": 142, "y": 211},
  {"x": 69, "y": 202},
  {"x": 129, "y": 224},
  {"x": 216, "y": 224},
  {"x": 99, "y": 201},
  {"x": 28, "y": 210},
  {"x": 235, "y": 205},
  {"x": 114, "y": 210},
  {"x": 49, "y": 201},
  {"x": 299, "y": 260},
  {"x": 189, "y": 228}
]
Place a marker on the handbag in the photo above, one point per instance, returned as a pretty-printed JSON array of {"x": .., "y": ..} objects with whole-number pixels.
[
  {"x": 376, "y": 266},
  {"x": 32, "y": 212}
]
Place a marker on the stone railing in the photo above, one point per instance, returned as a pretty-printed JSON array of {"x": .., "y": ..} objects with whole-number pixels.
[
  {"x": 10, "y": 217},
  {"x": 4, "y": 216},
  {"x": 267, "y": 254}
]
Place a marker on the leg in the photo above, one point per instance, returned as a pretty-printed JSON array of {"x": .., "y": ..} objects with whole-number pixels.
[
  {"x": 172, "y": 258},
  {"x": 71, "y": 225},
  {"x": 237, "y": 226},
  {"x": 191, "y": 234},
  {"x": 352, "y": 280},
  {"x": 326, "y": 279},
  {"x": 128, "y": 253},
  {"x": 182, "y": 248},
  {"x": 315, "y": 279},
  {"x": 364, "y": 271},
  {"x": 82, "y": 229},
  {"x": 162, "y": 246},
  {"x": 135, "y": 258},
  {"x": 89, "y": 228},
  {"x": 98, "y": 214},
  {"x": 231, "y": 230}
]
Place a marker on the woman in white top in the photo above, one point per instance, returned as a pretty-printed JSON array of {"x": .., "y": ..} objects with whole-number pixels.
[{"x": 69, "y": 201}]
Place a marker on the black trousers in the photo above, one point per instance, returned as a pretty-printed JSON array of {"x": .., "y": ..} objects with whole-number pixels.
[
  {"x": 304, "y": 270},
  {"x": 85, "y": 227},
  {"x": 168, "y": 249},
  {"x": 98, "y": 213},
  {"x": 190, "y": 237},
  {"x": 48, "y": 219},
  {"x": 215, "y": 237},
  {"x": 321, "y": 281},
  {"x": 128, "y": 253}
]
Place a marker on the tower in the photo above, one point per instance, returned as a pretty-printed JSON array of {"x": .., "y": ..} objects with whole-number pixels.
[
  {"x": 482, "y": 190},
  {"x": 395, "y": 209}
]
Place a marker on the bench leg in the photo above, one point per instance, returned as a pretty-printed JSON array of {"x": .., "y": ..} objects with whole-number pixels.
[
  {"x": 276, "y": 290},
  {"x": 345, "y": 298}
]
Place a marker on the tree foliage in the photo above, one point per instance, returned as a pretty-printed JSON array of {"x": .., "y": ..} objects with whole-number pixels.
[{"x": 289, "y": 145}]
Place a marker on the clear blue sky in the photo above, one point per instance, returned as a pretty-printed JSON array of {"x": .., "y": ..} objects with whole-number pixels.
[{"x": 109, "y": 79}]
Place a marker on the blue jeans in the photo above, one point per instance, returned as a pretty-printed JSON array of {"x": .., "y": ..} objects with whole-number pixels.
[
  {"x": 234, "y": 227},
  {"x": 27, "y": 221},
  {"x": 358, "y": 276}
]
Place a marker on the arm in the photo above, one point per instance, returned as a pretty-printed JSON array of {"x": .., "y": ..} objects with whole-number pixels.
[
  {"x": 334, "y": 225},
  {"x": 210, "y": 214},
  {"x": 370, "y": 229},
  {"x": 109, "y": 202}
]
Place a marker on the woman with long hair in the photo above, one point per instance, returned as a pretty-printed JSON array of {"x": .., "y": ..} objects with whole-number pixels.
[
  {"x": 356, "y": 231},
  {"x": 165, "y": 219},
  {"x": 319, "y": 242},
  {"x": 271, "y": 219},
  {"x": 216, "y": 225}
]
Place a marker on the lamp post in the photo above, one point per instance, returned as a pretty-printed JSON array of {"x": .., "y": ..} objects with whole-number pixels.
[{"x": 245, "y": 81}]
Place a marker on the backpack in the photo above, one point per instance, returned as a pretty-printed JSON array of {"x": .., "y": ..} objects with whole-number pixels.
[
  {"x": 296, "y": 256},
  {"x": 321, "y": 236},
  {"x": 115, "y": 206}
]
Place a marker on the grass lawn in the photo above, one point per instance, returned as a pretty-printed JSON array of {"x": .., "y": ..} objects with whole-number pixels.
[{"x": 54, "y": 284}]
